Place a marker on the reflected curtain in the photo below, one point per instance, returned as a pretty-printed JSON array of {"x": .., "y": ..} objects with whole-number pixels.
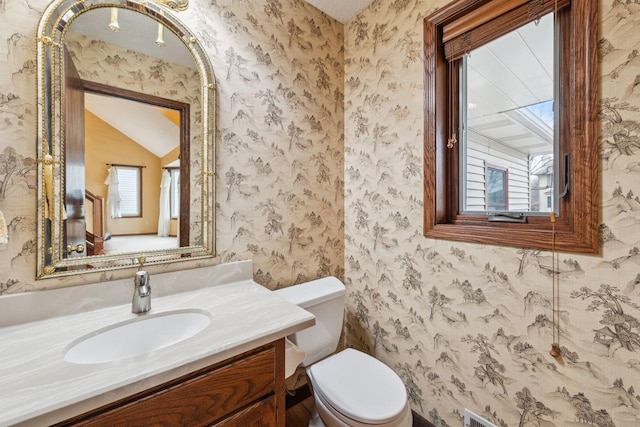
[
  {"x": 113, "y": 193},
  {"x": 164, "y": 219}
]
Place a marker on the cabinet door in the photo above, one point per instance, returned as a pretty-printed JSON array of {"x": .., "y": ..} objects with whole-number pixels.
[
  {"x": 260, "y": 414},
  {"x": 198, "y": 401}
]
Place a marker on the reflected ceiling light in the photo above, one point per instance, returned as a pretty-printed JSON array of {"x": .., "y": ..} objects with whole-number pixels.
[
  {"x": 113, "y": 24},
  {"x": 160, "y": 40}
]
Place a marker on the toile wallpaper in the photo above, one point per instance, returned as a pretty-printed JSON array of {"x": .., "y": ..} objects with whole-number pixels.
[
  {"x": 279, "y": 155},
  {"x": 467, "y": 325},
  {"x": 307, "y": 189}
]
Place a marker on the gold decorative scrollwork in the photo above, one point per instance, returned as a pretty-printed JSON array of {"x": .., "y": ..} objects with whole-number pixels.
[
  {"x": 45, "y": 40},
  {"x": 75, "y": 248}
]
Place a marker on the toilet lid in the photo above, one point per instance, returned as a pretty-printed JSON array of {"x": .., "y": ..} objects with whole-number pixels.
[{"x": 360, "y": 387}]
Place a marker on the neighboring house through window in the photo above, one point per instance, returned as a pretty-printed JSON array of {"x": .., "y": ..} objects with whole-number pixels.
[{"x": 497, "y": 181}]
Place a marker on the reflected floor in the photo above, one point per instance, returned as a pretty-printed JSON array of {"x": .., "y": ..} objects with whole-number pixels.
[{"x": 140, "y": 243}]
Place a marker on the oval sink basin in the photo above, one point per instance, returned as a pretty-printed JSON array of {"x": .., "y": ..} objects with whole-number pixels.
[{"x": 135, "y": 337}]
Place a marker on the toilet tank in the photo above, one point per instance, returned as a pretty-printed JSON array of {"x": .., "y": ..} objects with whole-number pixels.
[{"x": 324, "y": 298}]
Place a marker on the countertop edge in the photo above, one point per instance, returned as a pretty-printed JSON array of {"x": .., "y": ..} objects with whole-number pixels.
[{"x": 95, "y": 402}]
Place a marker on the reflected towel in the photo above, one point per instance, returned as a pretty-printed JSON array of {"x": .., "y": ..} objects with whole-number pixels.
[{"x": 4, "y": 233}]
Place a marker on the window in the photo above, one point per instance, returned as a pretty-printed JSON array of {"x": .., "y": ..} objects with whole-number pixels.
[
  {"x": 174, "y": 195},
  {"x": 562, "y": 114},
  {"x": 497, "y": 188},
  {"x": 130, "y": 190},
  {"x": 507, "y": 94}
]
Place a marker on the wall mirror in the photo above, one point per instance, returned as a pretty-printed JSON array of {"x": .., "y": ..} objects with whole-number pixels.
[
  {"x": 510, "y": 123},
  {"x": 126, "y": 102}
]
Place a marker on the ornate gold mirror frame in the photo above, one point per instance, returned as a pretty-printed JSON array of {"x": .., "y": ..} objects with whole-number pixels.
[{"x": 52, "y": 259}]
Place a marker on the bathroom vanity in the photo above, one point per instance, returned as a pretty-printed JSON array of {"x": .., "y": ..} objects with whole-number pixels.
[
  {"x": 246, "y": 390},
  {"x": 229, "y": 373}
]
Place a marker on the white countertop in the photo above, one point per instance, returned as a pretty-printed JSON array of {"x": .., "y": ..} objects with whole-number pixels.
[{"x": 39, "y": 388}]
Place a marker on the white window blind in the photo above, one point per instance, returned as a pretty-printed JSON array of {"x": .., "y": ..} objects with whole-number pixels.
[
  {"x": 175, "y": 193},
  {"x": 130, "y": 189}
]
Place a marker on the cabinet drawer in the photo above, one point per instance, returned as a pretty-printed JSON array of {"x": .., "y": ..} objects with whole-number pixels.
[
  {"x": 260, "y": 414},
  {"x": 201, "y": 400}
]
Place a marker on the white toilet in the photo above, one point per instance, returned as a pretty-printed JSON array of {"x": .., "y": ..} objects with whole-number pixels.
[{"x": 350, "y": 388}]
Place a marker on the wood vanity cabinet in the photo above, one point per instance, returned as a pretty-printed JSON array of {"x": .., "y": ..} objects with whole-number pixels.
[{"x": 244, "y": 391}]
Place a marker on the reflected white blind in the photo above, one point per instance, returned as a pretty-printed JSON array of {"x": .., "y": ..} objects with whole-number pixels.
[
  {"x": 175, "y": 193},
  {"x": 129, "y": 188}
]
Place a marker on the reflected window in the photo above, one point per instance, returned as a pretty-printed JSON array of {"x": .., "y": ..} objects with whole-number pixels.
[
  {"x": 497, "y": 188},
  {"x": 130, "y": 190}
]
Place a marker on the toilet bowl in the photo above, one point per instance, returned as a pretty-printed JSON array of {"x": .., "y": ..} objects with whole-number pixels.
[{"x": 350, "y": 388}]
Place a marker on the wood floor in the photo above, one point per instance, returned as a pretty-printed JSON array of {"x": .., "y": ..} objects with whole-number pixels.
[{"x": 299, "y": 415}]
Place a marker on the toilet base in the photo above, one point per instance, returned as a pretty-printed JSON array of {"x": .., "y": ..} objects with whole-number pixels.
[
  {"x": 322, "y": 416},
  {"x": 315, "y": 420}
]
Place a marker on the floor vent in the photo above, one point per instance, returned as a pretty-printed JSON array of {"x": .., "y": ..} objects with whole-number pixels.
[{"x": 473, "y": 420}]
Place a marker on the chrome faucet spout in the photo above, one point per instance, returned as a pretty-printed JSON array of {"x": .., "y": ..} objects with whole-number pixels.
[{"x": 141, "y": 302}]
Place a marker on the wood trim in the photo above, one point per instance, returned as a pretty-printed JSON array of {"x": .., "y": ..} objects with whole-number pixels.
[
  {"x": 185, "y": 177},
  {"x": 262, "y": 413},
  {"x": 281, "y": 406},
  {"x": 185, "y": 142},
  {"x": 98, "y": 212},
  {"x": 577, "y": 222},
  {"x": 489, "y": 24},
  {"x": 480, "y": 16},
  {"x": 95, "y": 244}
]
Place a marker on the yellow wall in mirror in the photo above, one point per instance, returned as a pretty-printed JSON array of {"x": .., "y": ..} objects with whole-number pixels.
[
  {"x": 105, "y": 144},
  {"x": 172, "y": 115},
  {"x": 171, "y": 156}
]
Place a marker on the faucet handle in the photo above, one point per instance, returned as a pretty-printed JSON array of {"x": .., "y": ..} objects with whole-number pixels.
[
  {"x": 141, "y": 302},
  {"x": 141, "y": 278}
]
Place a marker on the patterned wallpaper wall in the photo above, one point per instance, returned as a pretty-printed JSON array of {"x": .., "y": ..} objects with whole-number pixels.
[
  {"x": 464, "y": 325},
  {"x": 467, "y": 325},
  {"x": 279, "y": 68}
]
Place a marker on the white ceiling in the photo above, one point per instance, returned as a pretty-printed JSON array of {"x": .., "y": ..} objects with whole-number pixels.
[
  {"x": 137, "y": 32},
  {"x": 341, "y": 10},
  {"x": 506, "y": 75},
  {"x": 150, "y": 129}
]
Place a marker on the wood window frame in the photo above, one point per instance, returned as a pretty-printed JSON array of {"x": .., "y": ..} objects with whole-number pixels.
[{"x": 469, "y": 24}]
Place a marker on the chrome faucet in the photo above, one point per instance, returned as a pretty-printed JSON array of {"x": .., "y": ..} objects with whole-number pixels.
[{"x": 141, "y": 302}]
